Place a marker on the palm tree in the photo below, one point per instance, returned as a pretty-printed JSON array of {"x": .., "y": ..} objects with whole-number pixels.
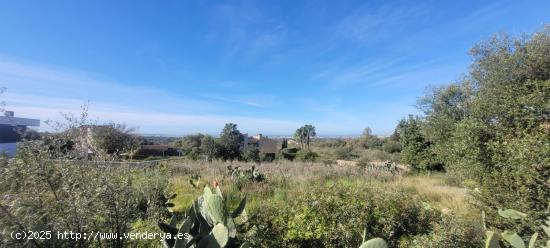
[
  {"x": 304, "y": 134},
  {"x": 309, "y": 131},
  {"x": 299, "y": 136}
]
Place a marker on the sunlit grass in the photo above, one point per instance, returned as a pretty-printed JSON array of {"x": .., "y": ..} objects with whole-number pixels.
[{"x": 285, "y": 179}]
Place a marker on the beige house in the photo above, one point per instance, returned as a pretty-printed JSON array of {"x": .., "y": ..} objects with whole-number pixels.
[{"x": 265, "y": 144}]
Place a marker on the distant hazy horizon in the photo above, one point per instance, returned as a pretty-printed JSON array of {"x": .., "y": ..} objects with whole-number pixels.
[{"x": 180, "y": 67}]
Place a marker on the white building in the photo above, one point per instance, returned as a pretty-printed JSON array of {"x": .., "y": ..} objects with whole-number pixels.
[{"x": 11, "y": 129}]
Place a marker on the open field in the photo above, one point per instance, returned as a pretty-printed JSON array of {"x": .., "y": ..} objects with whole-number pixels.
[
  {"x": 434, "y": 189},
  {"x": 289, "y": 185},
  {"x": 470, "y": 168}
]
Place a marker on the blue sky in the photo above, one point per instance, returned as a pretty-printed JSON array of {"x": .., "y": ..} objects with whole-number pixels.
[{"x": 177, "y": 67}]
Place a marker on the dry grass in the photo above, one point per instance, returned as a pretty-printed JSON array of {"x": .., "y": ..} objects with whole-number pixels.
[
  {"x": 435, "y": 190},
  {"x": 289, "y": 170},
  {"x": 284, "y": 175}
]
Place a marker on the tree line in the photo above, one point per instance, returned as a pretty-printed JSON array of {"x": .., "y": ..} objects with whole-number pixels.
[{"x": 491, "y": 128}]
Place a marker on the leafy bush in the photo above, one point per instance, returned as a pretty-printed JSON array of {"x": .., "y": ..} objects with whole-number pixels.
[
  {"x": 335, "y": 216},
  {"x": 364, "y": 161},
  {"x": 252, "y": 154},
  {"x": 345, "y": 152},
  {"x": 492, "y": 129},
  {"x": 307, "y": 155},
  {"x": 391, "y": 146},
  {"x": 41, "y": 193},
  {"x": 288, "y": 153},
  {"x": 417, "y": 149},
  {"x": 450, "y": 232}
]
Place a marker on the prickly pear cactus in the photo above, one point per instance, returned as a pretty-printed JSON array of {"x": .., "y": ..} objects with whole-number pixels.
[
  {"x": 195, "y": 180},
  {"x": 511, "y": 238},
  {"x": 374, "y": 243},
  {"x": 207, "y": 223}
]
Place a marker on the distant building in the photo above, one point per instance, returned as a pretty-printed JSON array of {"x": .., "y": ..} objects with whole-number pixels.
[
  {"x": 11, "y": 129},
  {"x": 265, "y": 144},
  {"x": 157, "y": 150}
]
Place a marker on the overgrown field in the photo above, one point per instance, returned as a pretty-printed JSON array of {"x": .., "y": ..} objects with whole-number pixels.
[
  {"x": 314, "y": 205},
  {"x": 290, "y": 204},
  {"x": 472, "y": 171}
]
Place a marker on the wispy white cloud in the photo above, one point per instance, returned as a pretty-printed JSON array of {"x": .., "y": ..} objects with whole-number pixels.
[
  {"x": 405, "y": 53},
  {"x": 359, "y": 74},
  {"x": 372, "y": 24},
  {"x": 255, "y": 100},
  {"x": 244, "y": 33},
  {"x": 162, "y": 123},
  {"x": 44, "y": 91}
]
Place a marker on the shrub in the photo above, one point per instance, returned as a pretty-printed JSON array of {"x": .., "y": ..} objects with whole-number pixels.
[
  {"x": 289, "y": 153},
  {"x": 291, "y": 150},
  {"x": 267, "y": 157},
  {"x": 252, "y": 154},
  {"x": 492, "y": 128},
  {"x": 307, "y": 155},
  {"x": 391, "y": 146},
  {"x": 242, "y": 177},
  {"x": 335, "y": 216},
  {"x": 44, "y": 194},
  {"x": 363, "y": 161},
  {"x": 345, "y": 152},
  {"x": 374, "y": 155},
  {"x": 450, "y": 232}
]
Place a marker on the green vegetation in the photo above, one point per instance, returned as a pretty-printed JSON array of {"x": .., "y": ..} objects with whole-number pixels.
[
  {"x": 491, "y": 129},
  {"x": 42, "y": 194},
  {"x": 207, "y": 223},
  {"x": 511, "y": 238},
  {"x": 230, "y": 141},
  {"x": 241, "y": 177},
  {"x": 313, "y": 205},
  {"x": 304, "y": 135},
  {"x": 441, "y": 180}
]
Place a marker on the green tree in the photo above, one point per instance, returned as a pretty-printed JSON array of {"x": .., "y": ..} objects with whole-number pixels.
[
  {"x": 391, "y": 146},
  {"x": 416, "y": 149},
  {"x": 443, "y": 107},
  {"x": 252, "y": 154},
  {"x": 190, "y": 143},
  {"x": 210, "y": 147},
  {"x": 367, "y": 132},
  {"x": 299, "y": 136},
  {"x": 284, "y": 144},
  {"x": 368, "y": 140},
  {"x": 493, "y": 127},
  {"x": 231, "y": 141},
  {"x": 304, "y": 135},
  {"x": 114, "y": 138}
]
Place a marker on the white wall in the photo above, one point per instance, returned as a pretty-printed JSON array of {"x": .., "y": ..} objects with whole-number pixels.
[{"x": 8, "y": 148}]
